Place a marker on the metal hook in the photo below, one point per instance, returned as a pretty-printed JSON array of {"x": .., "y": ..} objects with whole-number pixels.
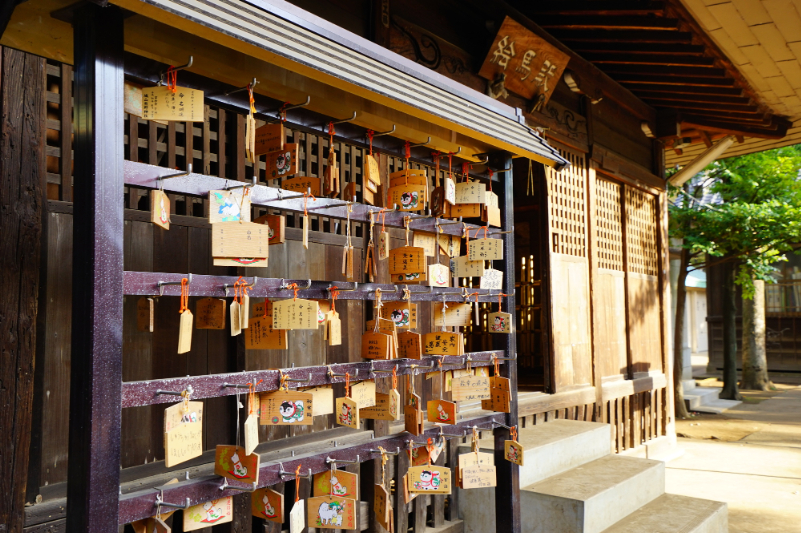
[
  {"x": 226, "y": 285},
  {"x": 484, "y": 158},
  {"x": 160, "y": 502},
  {"x": 178, "y": 175},
  {"x": 427, "y": 291},
  {"x": 497, "y": 170},
  {"x": 175, "y": 69},
  {"x": 282, "y": 472},
  {"x": 281, "y": 195},
  {"x": 443, "y": 434},
  {"x": 329, "y": 206},
  {"x": 295, "y": 380},
  {"x": 285, "y": 286},
  {"x": 386, "y": 452},
  {"x": 341, "y": 121},
  {"x": 328, "y": 460},
  {"x": 245, "y": 88},
  {"x": 332, "y": 374},
  {"x": 413, "y": 367},
  {"x": 379, "y": 134},
  {"x": 421, "y": 144},
  {"x": 283, "y": 109},
  {"x": 457, "y": 152},
  {"x": 378, "y": 370},
  {"x": 501, "y": 232},
  {"x": 225, "y": 485},
  {"x": 161, "y": 284},
  {"x": 355, "y": 287}
]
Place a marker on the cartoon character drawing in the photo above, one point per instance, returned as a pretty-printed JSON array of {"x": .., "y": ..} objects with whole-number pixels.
[
  {"x": 499, "y": 324},
  {"x": 320, "y": 316},
  {"x": 283, "y": 163},
  {"x": 409, "y": 200},
  {"x": 291, "y": 411},
  {"x": 270, "y": 233},
  {"x": 337, "y": 488},
  {"x": 212, "y": 514},
  {"x": 512, "y": 454},
  {"x": 442, "y": 277},
  {"x": 330, "y": 514},
  {"x": 164, "y": 214},
  {"x": 409, "y": 277},
  {"x": 268, "y": 511},
  {"x": 189, "y": 417},
  {"x": 400, "y": 317},
  {"x": 239, "y": 471},
  {"x": 346, "y": 415},
  {"x": 429, "y": 480},
  {"x": 227, "y": 207},
  {"x": 442, "y": 414}
]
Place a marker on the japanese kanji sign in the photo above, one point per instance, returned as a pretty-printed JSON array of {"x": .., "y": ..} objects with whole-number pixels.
[{"x": 532, "y": 65}]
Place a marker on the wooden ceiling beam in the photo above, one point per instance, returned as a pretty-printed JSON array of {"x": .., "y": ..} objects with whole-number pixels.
[
  {"x": 737, "y": 108},
  {"x": 675, "y": 60},
  {"x": 606, "y": 22},
  {"x": 777, "y": 129},
  {"x": 633, "y": 37},
  {"x": 690, "y": 73},
  {"x": 729, "y": 116},
  {"x": 642, "y": 87},
  {"x": 673, "y": 96},
  {"x": 668, "y": 82},
  {"x": 628, "y": 8},
  {"x": 640, "y": 49}
]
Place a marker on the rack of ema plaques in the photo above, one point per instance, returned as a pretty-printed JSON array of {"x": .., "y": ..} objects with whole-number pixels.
[{"x": 400, "y": 411}]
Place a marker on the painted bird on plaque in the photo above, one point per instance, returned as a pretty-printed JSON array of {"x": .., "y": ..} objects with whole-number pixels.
[
  {"x": 233, "y": 463},
  {"x": 429, "y": 479},
  {"x": 268, "y": 504},
  {"x": 209, "y": 513},
  {"x": 441, "y": 411},
  {"x": 286, "y": 408},
  {"x": 332, "y": 512}
]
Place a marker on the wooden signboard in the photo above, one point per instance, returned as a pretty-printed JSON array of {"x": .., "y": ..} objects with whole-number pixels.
[
  {"x": 410, "y": 345},
  {"x": 160, "y": 209},
  {"x": 295, "y": 314},
  {"x": 491, "y": 279},
  {"x": 183, "y": 432},
  {"x": 403, "y": 314},
  {"x": 485, "y": 249},
  {"x": 210, "y": 313},
  {"x": 469, "y": 388},
  {"x": 303, "y": 184},
  {"x": 260, "y": 335},
  {"x": 339, "y": 483},
  {"x": 283, "y": 162},
  {"x": 407, "y": 259},
  {"x": 332, "y": 512},
  {"x": 276, "y": 225},
  {"x": 207, "y": 514},
  {"x": 229, "y": 206},
  {"x": 183, "y": 105},
  {"x": 144, "y": 314},
  {"x": 234, "y": 239},
  {"x": 232, "y": 462},
  {"x": 462, "y": 267},
  {"x": 441, "y": 412},
  {"x": 432, "y": 479},
  {"x": 363, "y": 393},
  {"x": 499, "y": 322},
  {"x": 268, "y": 504},
  {"x": 439, "y": 275},
  {"x": 456, "y": 314},
  {"x": 286, "y": 408},
  {"x": 442, "y": 343},
  {"x": 270, "y": 138},
  {"x": 532, "y": 65},
  {"x": 347, "y": 412}
]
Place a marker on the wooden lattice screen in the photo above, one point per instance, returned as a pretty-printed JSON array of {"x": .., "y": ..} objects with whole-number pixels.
[
  {"x": 641, "y": 227},
  {"x": 568, "y": 193},
  {"x": 609, "y": 226}
]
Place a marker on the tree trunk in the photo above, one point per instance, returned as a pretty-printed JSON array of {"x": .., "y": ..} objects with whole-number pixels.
[
  {"x": 678, "y": 336},
  {"x": 755, "y": 360},
  {"x": 728, "y": 292}
]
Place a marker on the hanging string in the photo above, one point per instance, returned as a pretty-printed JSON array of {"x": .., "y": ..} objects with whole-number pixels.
[
  {"x": 330, "y": 478},
  {"x": 436, "y": 156},
  {"x": 370, "y": 134},
  {"x": 499, "y": 300},
  {"x": 172, "y": 79},
  {"x": 383, "y": 215},
  {"x": 450, "y": 163},
  {"x": 294, "y": 287},
  {"x": 334, "y": 295},
  {"x": 331, "y": 133},
  {"x": 236, "y": 291},
  {"x": 306, "y": 196},
  {"x": 486, "y": 232},
  {"x": 430, "y": 449},
  {"x": 406, "y": 221},
  {"x": 238, "y": 406},
  {"x": 252, "y": 397},
  {"x": 184, "y": 295},
  {"x": 491, "y": 173},
  {"x": 474, "y": 444},
  {"x": 465, "y": 167},
  {"x": 395, "y": 377},
  {"x": 513, "y": 432},
  {"x": 282, "y": 111},
  {"x": 495, "y": 364},
  {"x": 383, "y": 466},
  {"x": 266, "y": 301},
  {"x": 347, "y": 384},
  {"x": 378, "y": 306},
  {"x": 297, "y": 484},
  {"x": 252, "y": 100},
  {"x": 284, "y": 386}
]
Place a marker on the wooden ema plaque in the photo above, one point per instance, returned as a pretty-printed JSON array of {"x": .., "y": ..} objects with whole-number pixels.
[
  {"x": 233, "y": 463},
  {"x": 260, "y": 335},
  {"x": 426, "y": 241},
  {"x": 144, "y": 314},
  {"x": 347, "y": 413},
  {"x": 303, "y": 184},
  {"x": 208, "y": 514},
  {"x": 442, "y": 343},
  {"x": 469, "y": 388},
  {"x": 441, "y": 411},
  {"x": 485, "y": 249},
  {"x": 371, "y": 170},
  {"x": 491, "y": 279},
  {"x": 499, "y": 322},
  {"x": 183, "y": 433},
  {"x": 500, "y": 398},
  {"x": 471, "y": 192},
  {"x": 413, "y": 419},
  {"x": 387, "y": 407},
  {"x": 532, "y": 65},
  {"x": 268, "y": 504},
  {"x": 492, "y": 216},
  {"x": 408, "y": 197},
  {"x": 234, "y": 239},
  {"x": 462, "y": 267},
  {"x": 456, "y": 314},
  {"x": 409, "y": 278},
  {"x": 439, "y": 275},
  {"x": 429, "y": 479},
  {"x": 376, "y": 345},
  {"x": 463, "y": 210},
  {"x": 349, "y": 192},
  {"x": 382, "y": 507},
  {"x": 477, "y": 477},
  {"x": 410, "y": 345},
  {"x": 297, "y": 517},
  {"x": 449, "y": 244},
  {"x": 286, "y": 408},
  {"x": 183, "y": 105},
  {"x": 513, "y": 452},
  {"x": 332, "y": 512},
  {"x": 160, "y": 209},
  {"x": 270, "y": 138},
  {"x": 283, "y": 162},
  {"x": 339, "y": 484},
  {"x": 277, "y": 227},
  {"x": 322, "y": 399},
  {"x": 295, "y": 314},
  {"x": 404, "y": 315},
  {"x": 363, "y": 393},
  {"x": 229, "y": 206},
  {"x": 210, "y": 313},
  {"x": 406, "y": 260}
]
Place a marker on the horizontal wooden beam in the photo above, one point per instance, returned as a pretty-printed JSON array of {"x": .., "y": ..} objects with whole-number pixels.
[
  {"x": 709, "y": 106},
  {"x": 691, "y": 73},
  {"x": 627, "y": 8},
  {"x": 731, "y": 116},
  {"x": 641, "y": 88},
  {"x": 667, "y": 82},
  {"x": 607, "y": 22},
  {"x": 674, "y": 96},
  {"x": 622, "y": 36},
  {"x": 777, "y": 130},
  {"x": 642, "y": 48},
  {"x": 674, "y": 60}
]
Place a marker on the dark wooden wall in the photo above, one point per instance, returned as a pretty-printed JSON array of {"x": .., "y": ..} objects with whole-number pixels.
[{"x": 22, "y": 103}]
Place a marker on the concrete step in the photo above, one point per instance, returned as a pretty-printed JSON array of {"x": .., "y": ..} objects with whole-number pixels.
[
  {"x": 698, "y": 396},
  {"x": 717, "y": 406},
  {"x": 591, "y": 497},
  {"x": 671, "y": 513}
]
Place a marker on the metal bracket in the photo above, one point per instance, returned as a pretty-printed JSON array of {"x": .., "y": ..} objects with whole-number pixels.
[
  {"x": 341, "y": 121},
  {"x": 225, "y": 485},
  {"x": 245, "y": 88},
  {"x": 161, "y": 284},
  {"x": 282, "y": 472},
  {"x": 379, "y": 134},
  {"x": 386, "y": 452},
  {"x": 421, "y": 144},
  {"x": 176, "y": 69},
  {"x": 332, "y": 374},
  {"x": 328, "y": 460},
  {"x": 178, "y": 175},
  {"x": 285, "y": 286}
]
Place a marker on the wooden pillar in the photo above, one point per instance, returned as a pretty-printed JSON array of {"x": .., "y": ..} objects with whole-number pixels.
[
  {"x": 22, "y": 195},
  {"x": 96, "y": 369},
  {"x": 507, "y": 493}
]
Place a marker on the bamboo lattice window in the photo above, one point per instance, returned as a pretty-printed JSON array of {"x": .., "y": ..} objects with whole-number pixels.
[
  {"x": 641, "y": 232},
  {"x": 567, "y": 192},
  {"x": 609, "y": 226}
]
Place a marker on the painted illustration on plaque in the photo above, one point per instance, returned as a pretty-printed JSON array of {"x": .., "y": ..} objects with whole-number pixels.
[
  {"x": 330, "y": 512},
  {"x": 345, "y": 415},
  {"x": 268, "y": 504},
  {"x": 428, "y": 480},
  {"x": 400, "y": 317},
  {"x": 226, "y": 206},
  {"x": 410, "y": 200},
  {"x": 291, "y": 411}
]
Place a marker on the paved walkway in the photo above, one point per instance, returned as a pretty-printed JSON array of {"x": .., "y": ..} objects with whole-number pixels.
[{"x": 749, "y": 457}]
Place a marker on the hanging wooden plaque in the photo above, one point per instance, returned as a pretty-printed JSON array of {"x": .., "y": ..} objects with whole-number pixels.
[
  {"x": 322, "y": 399},
  {"x": 406, "y": 260},
  {"x": 470, "y": 388},
  {"x": 409, "y": 278},
  {"x": 295, "y": 314},
  {"x": 442, "y": 343},
  {"x": 449, "y": 244},
  {"x": 347, "y": 413},
  {"x": 132, "y": 101},
  {"x": 229, "y": 206},
  {"x": 371, "y": 171},
  {"x": 376, "y": 345},
  {"x": 500, "y": 398},
  {"x": 437, "y": 205},
  {"x": 339, "y": 484},
  {"x": 485, "y": 249},
  {"x": 210, "y": 313},
  {"x": 471, "y": 192},
  {"x": 268, "y": 504},
  {"x": 462, "y": 267},
  {"x": 232, "y": 462},
  {"x": 477, "y": 477},
  {"x": 463, "y": 210},
  {"x": 413, "y": 419},
  {"x": 297, "y": 517},
  {"x": 207, "y": 514},
  {"x": 332, "y": 512},
  {"x": 303, "y": 184},
  {"x": 231, "y": 239},
  {"x": 383, "y": 245},
  {"x": 426, "y": 241},
  {"x": 439, "y": 275},
  {"x": 236, "y": 323},
  {"x": 183, "y": 105},
  {"x": 183, "y": 432},
  {"x": 491, "y": 279},
  {"x": 387, "y": 407},
  {"x": 410, "y": 345},
  {"x": 270, "y": 138},
  {"x": 513, "y": 452},
  {"x": 382, "y": 507},
  {"x": 404, "y": 315},
  {"x": 251, "y": 431},
  {"x": 260, "y": 335},
  {"x": 277, "y": 227},
  {"x": 160, "y": 209},
  {"x": 283, "y": 162},
  {"x": 408, "y": 197},
  {"x": 429, "y": 479},
  {"x": 349, "y": 192},
  {"x": 286, "y": 408},
  {"x": 492, "y": 216},
  {"x": 185, "y": 332},
  {"x": 499, "y": 322},
  {"x": 144, "y": 314},
  {"x": 363, "y": 393},
  {"x": 456, "y": 314},
  {"x": 441, "y": 411},
  {"x": 449, "y": 188},
  {"x": 334, "y": 329}
]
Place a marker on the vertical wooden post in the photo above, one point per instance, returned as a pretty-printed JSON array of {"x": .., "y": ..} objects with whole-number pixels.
[
  {"x": 22, "y": 196},
  {"x": 507, "y": 493},
  {"x": 96, "y": 369}
]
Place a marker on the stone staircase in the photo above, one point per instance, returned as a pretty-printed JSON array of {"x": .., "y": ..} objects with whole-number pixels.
[
  {"x": 573, "y": 483},
  {"x": 705, "y": 399}
]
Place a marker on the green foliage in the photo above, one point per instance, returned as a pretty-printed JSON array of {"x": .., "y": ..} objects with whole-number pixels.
[{"x": 753, "y": 219}]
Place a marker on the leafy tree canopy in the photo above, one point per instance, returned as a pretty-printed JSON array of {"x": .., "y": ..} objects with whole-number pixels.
[{"x": 745, "y": 209}]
